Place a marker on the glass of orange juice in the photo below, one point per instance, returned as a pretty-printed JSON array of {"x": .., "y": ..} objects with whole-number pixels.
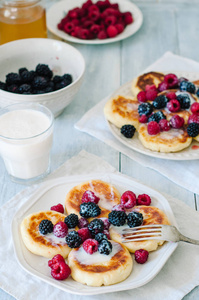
[{"x": 20, "y": 19}]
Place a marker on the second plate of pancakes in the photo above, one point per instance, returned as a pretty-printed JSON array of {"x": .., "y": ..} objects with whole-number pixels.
[{"x": 53, "y": 191}]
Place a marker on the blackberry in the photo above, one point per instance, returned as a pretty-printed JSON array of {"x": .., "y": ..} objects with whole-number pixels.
[
  {"x": 38, "y": 92},
  {"x": 100, "y": 237},
  {"x": 128, "y": 131},
  {"x": 2, "y": 86},
  {"x": 73, "y": 240},
  {"x": 117, "y": 218},
  {"x": 39, "y": 82},
  {"x": 188, "y": 87},
  {"x": 57, "y": 79},
  {"x": 89, "y": 209},
  {"x": 134, "y": 219},
  {"x": 157, "y": 117},
  {"x": 25, "y": 89},
  {"x": 71, "y": 220},
  {"x": 96, "y": 226},
  {"x": 185, "y": 101},
  {"x": 197, "y": 93},
  {"x": 67, "y": 78},
  {"x": 193, "y": 129},
  {"x": 27, "y": 76},
  {"x": 160, "y": 102},
  {"x": 48, "y": 89},
  {"x": 13, "y": 88},
  {"x": 60, "y": 85},
  {"x": 45, "y": 226},
  {"x": 105, "y": 247},
  {"x": 21, "y": 70},
  {"x": 13, "y": 78},
  {"x": 44, "y": 70},
  {"x": 145, "y": 109}
]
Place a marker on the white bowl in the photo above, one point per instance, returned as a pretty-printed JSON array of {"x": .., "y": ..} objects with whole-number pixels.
[{"x": 59, "y": 56}]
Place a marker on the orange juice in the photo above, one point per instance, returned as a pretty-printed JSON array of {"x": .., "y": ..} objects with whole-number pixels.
[{"x": 22, "y": 19}]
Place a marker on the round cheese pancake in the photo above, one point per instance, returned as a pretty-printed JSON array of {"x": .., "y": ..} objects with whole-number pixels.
[
  {"x": 45, "y": 245},
  {"x": 121, "y": 111},
  {"x": 99, "y": 269},
  {"x": 139, "y": 83},
  {"x": 173, "y": 140},
  {"x": 151, "y": 215},
  {"x": 108, "y": 194}
]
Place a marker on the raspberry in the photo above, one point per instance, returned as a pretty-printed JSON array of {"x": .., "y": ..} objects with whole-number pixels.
[
  {"x": 141, "y": 96},
  {"x": 143, "y": 199},
  {"x": 164, "y": 125},
  {"x": 120, "y": 27},
  {"x": 59, "y": 208},
  {"x": 94, "y": 15},
  {"x": 128, "y": 19},
  {"x": 100, "y": 237},
  {"x": 57, "y": 258},
  {"x": 163, "y": 86},
  {"x": 171, "y": 80},
  {"x": 156, "y": 116},
  {"x": 150, "y": 87},
  {"x": 105, "y": 247},
  {"x": 90, "y": 246},
  {"x": 83, "y": 33},
  {"x": 134, "y": 219},
  {"x": 111, "y": 31},
  {"x": 44, "y": 70},
  {"x": 69, "y": 27},
  {"x": 160, "y": 102},
  {"x": 93, "y": 7},
  {"x": 119, "y": 207},
  {"x": 90, "y": 209},
  {"x": 145, "y": 109},
  {"x": 153, "y": 128},
  {"x": 173, "y": 105},
  {"x": 60, "y": 271},
  {"x": 110, "y": 20},
  {"x": 193, "y": 129},
  {"x": 128, "y": 199},
  {"x": 177, "y": 122},
  {"x": 143, "y": 119},
  {"x": 193, "y": 119},
  {"x": 89, "y": 196},
  {"x": 151, "y": 94},
  {"x": 106, "y": 223},
  {"x": 71, "y": 220},
  {"x": 95, "y": 29},
  {"x": 45, "y": 226},
  {"x": 128, "y": 131},
  {"x": 102, "y": 35},
  {"x": 171, "y": 95},
  {"x": 141, "y": 256},
  {"x": 60, "y": 229},
  {"x": 195, "y": 107},
  {"x": 73, "y": 240},
  {"x": 96, "y": 226},
  {"x": 117, "y": 218},
  {"x": 184, "y": 101},
  {"x": 83, "y": 223},
  {"x": 84, "y": 233}
]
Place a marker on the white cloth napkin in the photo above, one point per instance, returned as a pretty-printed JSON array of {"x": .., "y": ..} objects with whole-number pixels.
[
  {"x": 178, "y": 277},
  {"x": 183, "y": 173}
]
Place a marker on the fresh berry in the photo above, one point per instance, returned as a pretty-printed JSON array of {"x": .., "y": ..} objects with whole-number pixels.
[
  {"x": 57, "y": 258},
  {"x": 184, "y": 100},
  {"x": 39, "y": 82},
  {"x": 128, "y": 199},
  {"x": 84, "y": 233},
  {"x": 145, "y": 109},
  {"x": 71, "y": 220},
  {"x": 141, "y": 256},
  {"x": 143, "y": 119},
  {"x": 45, "y": 226},
  {"x": 44, "y": 70},
  {"x": 173, "y": 105},
  {"x": 112, "y": 31},
  {"x": 102, "y": 35},
  {"x": 106, "y": 223},
  {"x": 160, "y": 102},
  {"x": 141, "y": 96},
  {"x": 83, "y": 223},
  {"x": 182, "y": 79},
  {"x": 197, "y": 93},
  {"x": 59, "y": 208},
  {"x": 73, "y": 240},
  {"x": 150, "y": 87},
  {"x": 105, "y": 247},
  {"x": 100, "y": 236},
  {"x": 89, "y": 196},
  {"x": 96, "y": 226},
  {"x": 117, "y": 218},
  {"x": 90, "y": 246},
  {"x": 128, "y": 131},
  {"x": 128, "y": 19},
  {"x": 90, "y": 209},
  {"x": 163, "y": 86},
  {"x": 193, "y": 129},
  {"x": 188, "y": 87},
  {"x": 194, "y": 118},
  {"x": 13, "y": 78},
  {"x": 156, "y": 117},
  {"x": 171, "y": 80},
  {"x": 195, "y": 108},
  {"x": 171, "y": 95},
  {"x": 120, "y": 27},
  {"x": 143, "y": 199},
  {"x": 21, "y": 70},
  {"x": 118, "y": 207},
  {"x": 25, "y": 89},
  {"x": 2, "y": 86},
  {"x": 27, "y": 76},
  {"x": 153, "y": 128},
  {"x": 107, "y": 233},
  {"x": 60, "y": 229},
  {"x": 110, "y": 20},
  {"x": 134, "y": 219},
  {"x": 60, "y": 271},
  {"x": 177, "y": 122},
  {"x": 164, "y": 125},
  {"x": 151, "y": 94}
]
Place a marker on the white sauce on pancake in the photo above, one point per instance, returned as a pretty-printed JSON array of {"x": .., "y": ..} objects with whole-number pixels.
[
  {"x": 172, "y": 133},
  {"x": 132, "y": 106}
]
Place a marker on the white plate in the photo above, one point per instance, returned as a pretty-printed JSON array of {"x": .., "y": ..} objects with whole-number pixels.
[
  {"x": 54, "y": 191},
  {"x": 58, "y": 11},
  {"x": 190, "y": 153}
]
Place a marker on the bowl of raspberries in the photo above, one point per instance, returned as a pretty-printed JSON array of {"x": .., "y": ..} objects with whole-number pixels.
[{"x": 44, "y": 71}]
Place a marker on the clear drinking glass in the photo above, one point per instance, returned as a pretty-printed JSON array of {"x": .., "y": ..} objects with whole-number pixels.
[
  {"x": 20, "y": 19},
  {"x": 26, "y": 136}
]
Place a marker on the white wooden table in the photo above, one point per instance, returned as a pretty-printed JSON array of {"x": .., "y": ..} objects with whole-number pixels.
[{"x": 168, "y": 25}]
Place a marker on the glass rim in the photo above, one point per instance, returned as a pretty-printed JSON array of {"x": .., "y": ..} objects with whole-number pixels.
[{"x": 19, "y": 3}]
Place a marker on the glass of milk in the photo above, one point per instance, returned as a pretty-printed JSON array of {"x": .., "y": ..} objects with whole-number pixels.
[{"x": 26, "y": 136}]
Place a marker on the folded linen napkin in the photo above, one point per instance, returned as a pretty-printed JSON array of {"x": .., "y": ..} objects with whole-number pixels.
[
  {"x": 177, "y": 278},
  {"x": 94, "y": 123}
]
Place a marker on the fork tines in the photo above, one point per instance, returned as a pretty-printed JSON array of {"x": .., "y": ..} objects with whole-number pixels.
[{"x": 141, "y": 233}]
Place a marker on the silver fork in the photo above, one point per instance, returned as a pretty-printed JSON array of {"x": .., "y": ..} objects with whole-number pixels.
[{"x": 155, "y": 232}]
